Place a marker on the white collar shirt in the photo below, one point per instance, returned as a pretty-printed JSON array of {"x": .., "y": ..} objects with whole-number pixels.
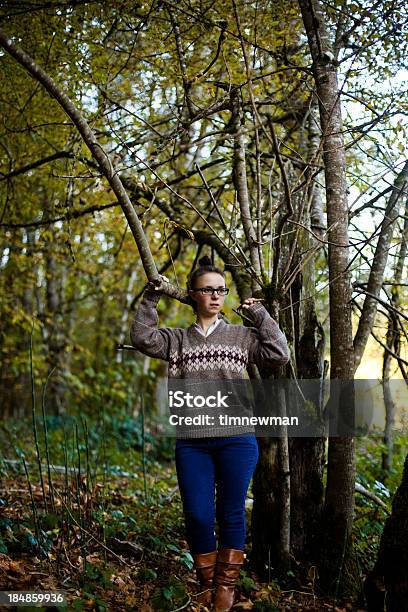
[{"x": 209, "y": 330}]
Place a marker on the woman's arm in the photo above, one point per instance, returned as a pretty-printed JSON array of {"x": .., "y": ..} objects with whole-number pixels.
[
  {"x": 268, "y": 345},
  {"x": 144, "y": 332}
]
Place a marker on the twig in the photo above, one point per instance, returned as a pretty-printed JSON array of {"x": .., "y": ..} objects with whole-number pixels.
[
  {"x": 37, "y": 448},
  {"x": 183, "y": 606},
  {"x": 363, "y": 491},
  {"x": 92, "y": 536},
  {"x": 213, "y": 200}
]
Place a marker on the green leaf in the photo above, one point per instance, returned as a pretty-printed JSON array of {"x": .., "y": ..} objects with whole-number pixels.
[{"x": 167, "y": 593}]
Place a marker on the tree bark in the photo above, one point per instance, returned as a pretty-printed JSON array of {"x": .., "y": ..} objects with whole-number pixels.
[
  {"x": 393, "y": 342},
  {"x": 241, "y": 185},
  {"x": 124, "y": 326},
  {"x": 271, "y": 513},
  {"x": 265, "y": 518},
  {"x": 307, "y": 454},
  {"x": 336, "y": 551},
  {"x": 317, "y": 219},
  {"x": 55, "y": 342}
]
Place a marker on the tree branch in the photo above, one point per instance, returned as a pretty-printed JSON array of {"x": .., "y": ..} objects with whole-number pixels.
[
  {"x": 363, "y": 491},
  {"x": 72, "y": 215},
  {"x": 101, "y": 157},
  {"x": 36, "y": 164},
  {"x": 377, "y": 270},
  {"x": 241, "y": 184}
]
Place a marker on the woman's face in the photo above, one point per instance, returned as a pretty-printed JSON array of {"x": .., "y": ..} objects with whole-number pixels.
[{"x": 208, "y": 303}]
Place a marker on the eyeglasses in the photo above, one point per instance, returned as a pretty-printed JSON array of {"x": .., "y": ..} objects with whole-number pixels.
[{"x": 211, "y": 290}]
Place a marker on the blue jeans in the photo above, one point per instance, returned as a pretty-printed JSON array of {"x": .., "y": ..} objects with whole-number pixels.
[{"x": 227, "y": 465}]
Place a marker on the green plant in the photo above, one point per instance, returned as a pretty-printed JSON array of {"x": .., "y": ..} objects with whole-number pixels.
[
  {"x": 146, "y": 574},
  {"x": 245, "y": 583},
  {"x": 369, "y": 516},
  {"x": 170, "y": 596},
  {"x": 187, "y": 560},
  {"x": 265, "y": 606},
  {"x": 94, "y": 575}
]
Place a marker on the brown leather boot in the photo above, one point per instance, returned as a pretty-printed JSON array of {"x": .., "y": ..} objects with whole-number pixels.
[
  {"x": 229, "y": 562},
  {"x": 204, "y": 564}
]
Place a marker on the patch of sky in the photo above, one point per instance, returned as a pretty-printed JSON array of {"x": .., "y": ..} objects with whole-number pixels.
[
  {"x": 379, "y": 157},
  {"x": 90, "y": 98},
  {"x": 5, "y": 257},
  {"x": 104, "y": 244}
]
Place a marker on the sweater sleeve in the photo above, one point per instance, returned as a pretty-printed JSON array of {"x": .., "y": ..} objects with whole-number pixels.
[
  {"x": 145, "y": 334},
  {"x": 268, "y": 345}
]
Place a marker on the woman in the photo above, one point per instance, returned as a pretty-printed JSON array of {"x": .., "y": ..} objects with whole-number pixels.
[{"x": 212, "y": 458}]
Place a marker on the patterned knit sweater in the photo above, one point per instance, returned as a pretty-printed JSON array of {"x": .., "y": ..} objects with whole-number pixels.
[{"x": 223, "y": 355}]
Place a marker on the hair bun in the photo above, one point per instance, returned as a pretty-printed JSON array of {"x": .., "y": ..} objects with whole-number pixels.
[{"x": 205, "y": 261}]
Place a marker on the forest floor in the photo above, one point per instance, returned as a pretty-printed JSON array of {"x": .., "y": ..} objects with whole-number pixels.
[
  {"x": 123, "y": 550},
  {"x": 104, "y": 524}
]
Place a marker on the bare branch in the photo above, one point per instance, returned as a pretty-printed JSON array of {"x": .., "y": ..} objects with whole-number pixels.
[
  {"x": 182, "y": 62},
  {"x": 363, "y": 491},
  {"x": 36, "y": 164},
  {"x": 378, "y": 266},
  {"x": 241, "y": 184},
  {"x": 75, "y": 214}
]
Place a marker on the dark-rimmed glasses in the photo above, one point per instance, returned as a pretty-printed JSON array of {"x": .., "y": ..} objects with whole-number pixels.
[{"x": 211, "y": 290}]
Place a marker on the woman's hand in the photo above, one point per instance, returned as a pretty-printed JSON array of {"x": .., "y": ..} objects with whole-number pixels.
[
  {"x": 163, "y": 279},
  {"x": 249, "y": 301},
  {"x": 158, "y": 287}
]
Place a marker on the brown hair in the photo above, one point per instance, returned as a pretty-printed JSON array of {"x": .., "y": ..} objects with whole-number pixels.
[{"x": 205, "y": 265}]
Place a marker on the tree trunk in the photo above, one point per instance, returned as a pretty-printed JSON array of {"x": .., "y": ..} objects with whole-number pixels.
[
  {"x": 307, "y": 454},
  {"x": 124, "y": 325},
  {"x": 294, "y": 504},
  {"x": 271, "y": 522},
  {"x": 15, "y": 383},
  {"x": 265, "y": 518},
  {"x": 388, "y": 581},
  {"x": 54, "y": 335},
  {"x": 336, "y": 545},
  {"x": 393, "y": 342}
]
